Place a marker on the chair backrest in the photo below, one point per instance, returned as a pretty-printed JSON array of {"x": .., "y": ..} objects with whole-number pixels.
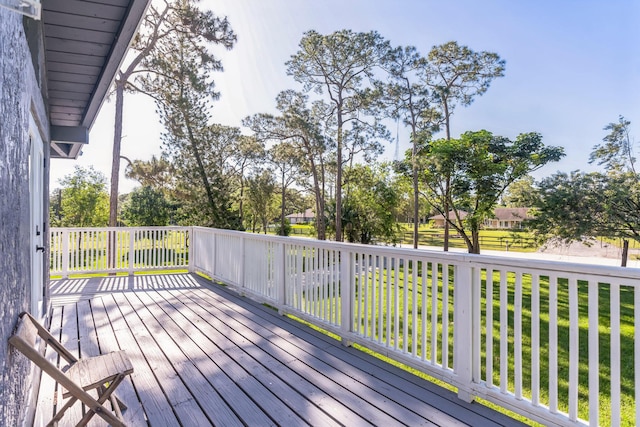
[
  {"x": 25, "y": 337},
  {"x": 27, "y": 331}
]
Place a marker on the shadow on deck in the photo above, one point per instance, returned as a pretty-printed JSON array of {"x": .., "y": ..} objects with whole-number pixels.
[{"x": 203, "y": 355}]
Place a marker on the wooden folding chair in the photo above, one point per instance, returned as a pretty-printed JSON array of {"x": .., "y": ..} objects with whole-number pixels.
[{"x": 103, "y": 373}]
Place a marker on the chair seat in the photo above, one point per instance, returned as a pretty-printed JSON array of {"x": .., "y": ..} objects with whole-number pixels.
[{"x": 92, "y": 372}]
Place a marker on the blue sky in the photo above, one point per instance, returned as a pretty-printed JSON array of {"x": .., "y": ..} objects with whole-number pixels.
[{"x": 571, "y": 67}]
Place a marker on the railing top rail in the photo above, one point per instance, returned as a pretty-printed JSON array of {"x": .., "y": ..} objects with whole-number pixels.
[
  {"x": 170, "y": 227},
  {"x": 454, "y": 258}
]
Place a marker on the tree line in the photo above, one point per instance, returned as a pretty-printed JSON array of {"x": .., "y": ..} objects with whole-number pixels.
[{"x": 320, "y": 149}]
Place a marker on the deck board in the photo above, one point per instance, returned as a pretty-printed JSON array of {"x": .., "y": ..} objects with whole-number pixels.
[{"x": 203, "y": 355}]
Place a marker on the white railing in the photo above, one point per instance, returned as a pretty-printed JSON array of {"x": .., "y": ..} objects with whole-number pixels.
[
  {"x": 555, "y": 342},
  {"x": 117, "y": 249}
]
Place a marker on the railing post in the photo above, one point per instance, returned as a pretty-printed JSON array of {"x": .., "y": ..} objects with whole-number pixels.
[
  {"x": 65, "y": 253},
  {"x": 190, "y": 240},
  {"x": 132, "y": 250},
  {"x": 282, "y": 282},
  {"x": 347, "y": 274},
  {"x": 463, "y": 343},
  {"x": 243, "y": 261}
]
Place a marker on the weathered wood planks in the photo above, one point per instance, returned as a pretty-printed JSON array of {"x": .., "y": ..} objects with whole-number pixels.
[{"x": 203, "y": 355}]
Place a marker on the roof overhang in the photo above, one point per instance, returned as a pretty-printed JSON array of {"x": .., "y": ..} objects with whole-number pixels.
[{"x": 85, "y": 44}]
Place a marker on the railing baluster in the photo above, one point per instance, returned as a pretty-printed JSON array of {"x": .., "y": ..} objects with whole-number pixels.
[
  {"x": 517, "y": 339},
  {"x": 396, "y": 304},
  {"x": 424, "y": 286},
  {"x": 387, "y": 265},
  {"x": 445, "y": 315},
  {"x": 535, "y": 339},
  {"x": 378, "y": 272},
  {"x": 553, "y": 344},
  {"x": 504, "y": 323},
  {"x": 414, "y": 308},
  {"x": 636, "y": 343},
  {"x": 573, "y": 349},
  {"x": 594, "y": 354},
  {"x": 615, "y": 354},
  {"x": 434, "y": 312},
  {"x": 489, "y": 328}
]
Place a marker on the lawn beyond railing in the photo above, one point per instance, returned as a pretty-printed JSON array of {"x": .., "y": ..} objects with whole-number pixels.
[{"x": 555, "y": 342}]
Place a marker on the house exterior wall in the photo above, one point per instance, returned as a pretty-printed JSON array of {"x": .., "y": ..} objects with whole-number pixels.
[{"x": 20, "y": 97}]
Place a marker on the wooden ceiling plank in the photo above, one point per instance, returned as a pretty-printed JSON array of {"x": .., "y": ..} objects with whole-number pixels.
[
  {"x": 84, "y": 8},
  {"x": 68, "y": 103},
  {"x": 71, "y": 86},
  {"x": 65, "y": 110},
  {"x": 73, "y": 33},
  {"x": 75, "y": 59},
  {"x": 85, "y": 22},
  {"x": 57, "y": 76},
  {"x": 69, "y": 95},
  {"x": 77, "y": 47}
]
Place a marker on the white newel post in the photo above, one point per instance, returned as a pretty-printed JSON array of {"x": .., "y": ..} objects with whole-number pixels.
[
  {"x": 190, "y": 240},
  {"x": 243, "y": 261},
  {"x": 463, "y": 342},
  {"x": 282, "y": 280},
  {"x": 65, "y": 253},
  {"x": 132, "y": 251},
  {"x": 346, "y": 294}
]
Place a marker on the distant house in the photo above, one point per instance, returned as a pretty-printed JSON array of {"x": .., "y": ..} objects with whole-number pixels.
[
  {"x": 507, "y": 218},
  {"x": 438, "y": 220},
  {"x": 301, "y": 218},
  {"x": 504, "y": 218}
]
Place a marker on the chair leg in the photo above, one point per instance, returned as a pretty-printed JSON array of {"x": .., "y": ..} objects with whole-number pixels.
[
  {"x": 101, "y": 399},
  {"x": 58, "y": 416}
]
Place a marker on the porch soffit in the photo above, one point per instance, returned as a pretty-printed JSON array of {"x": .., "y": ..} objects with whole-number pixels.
[{"x": 85, "y": 43}]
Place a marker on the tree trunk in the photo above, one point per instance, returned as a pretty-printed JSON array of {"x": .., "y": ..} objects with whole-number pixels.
[
  {"x": 339, "y": 180},
  {"x": 201, "y": 170},
  {"x": 448, "y": 184},
  {"x": 446, "y": 212},
  {"x": 475, "y": 242},
  {"x": 625, "y": 252},
  {"x": 282, "y": 207},
  {"x": 115, "y": 158},
  {"x": 115, "y": 171},
  {"x": 416, "y": 195}
]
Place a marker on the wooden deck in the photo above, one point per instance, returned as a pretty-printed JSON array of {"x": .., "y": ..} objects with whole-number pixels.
[{"x": 202, "y": 355}]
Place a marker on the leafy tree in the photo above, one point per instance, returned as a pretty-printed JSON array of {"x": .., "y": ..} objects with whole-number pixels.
[
  {"x": 260, "y": 191},
  {"x": 302, "y": 127},
  {"x": 617, "y": 157},
  {"x": 568, "y": 208},
  {"x": 521, "y": 193},
  {"x": 55, "y": 208},
  {"x": 158, "y": 30},
  {"x": 146, "y": 206},
  {"x": 478, "y": 167},
  {"x": 616, "y": 151},
  {"x": 456, "y": 75},
  {"x": 370, "y": 211},
  {"x": 156, "y": 173},
  {"x": 582, "y": 206},
  {"x": 184, "y": 89},
  {"x": 409, "y": 99},
  {"x": 339, "y": 65},
  {"x": 285, "y": 159},
  {"x": 84, "y": 199}
]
